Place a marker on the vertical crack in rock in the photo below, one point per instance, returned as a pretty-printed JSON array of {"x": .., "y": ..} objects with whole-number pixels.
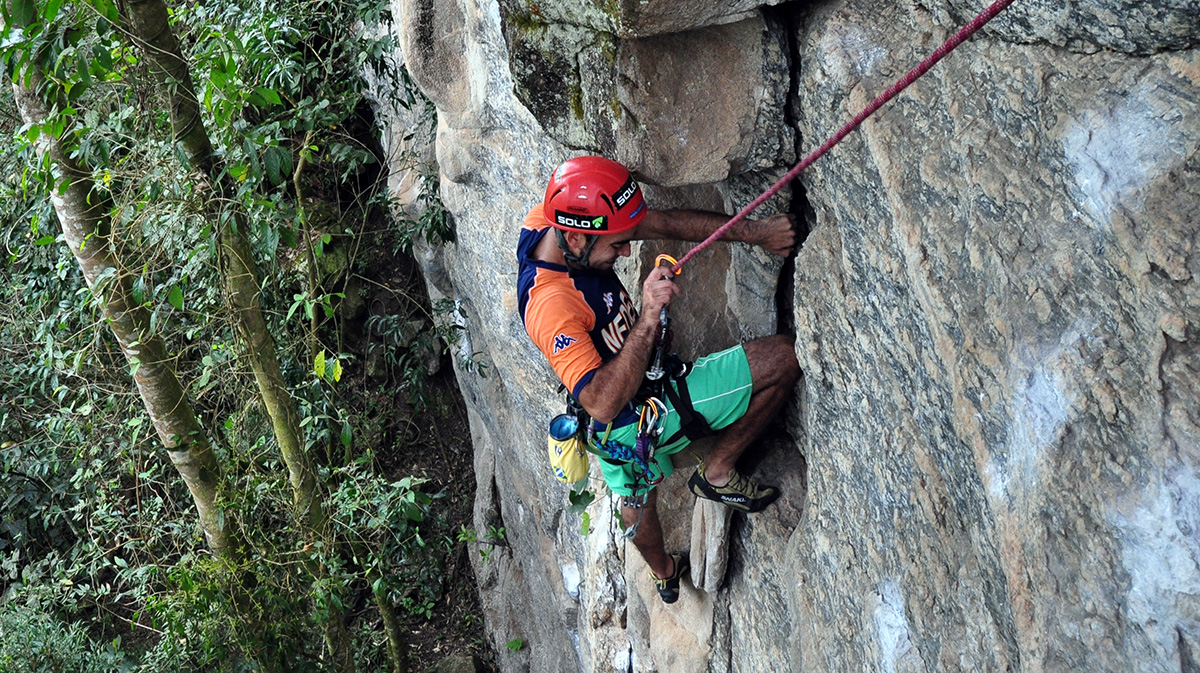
[
  {"x": 722, "y": 636},
  {"x": 1187, "y": 662},
  {"x": 494, "y": 514},
  {"x": 790, "y": 17}
]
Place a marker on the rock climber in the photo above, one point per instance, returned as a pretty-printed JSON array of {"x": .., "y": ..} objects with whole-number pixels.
[{"x": 579, "y": 315}]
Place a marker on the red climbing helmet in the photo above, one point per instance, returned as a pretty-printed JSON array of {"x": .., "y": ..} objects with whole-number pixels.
[{"x": 593, "y": 195}]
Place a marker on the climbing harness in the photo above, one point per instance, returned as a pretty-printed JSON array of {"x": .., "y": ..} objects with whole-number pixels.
[
  {"x": 913, "y": 75},
  {"x": 641, "y": 454},
  {"x": 649, "y": 428},
  {"x": 572, "y": 434}
]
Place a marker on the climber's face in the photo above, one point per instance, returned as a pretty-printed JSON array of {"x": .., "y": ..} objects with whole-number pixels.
[
  {"x": 609, "y": 249},
  {"x": 606, "y": 251}
]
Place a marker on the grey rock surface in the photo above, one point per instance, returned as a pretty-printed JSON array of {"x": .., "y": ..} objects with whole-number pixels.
[
  {"x": 995, "y": 458},
  {"x": 993, "y": 461},
  {"x": 1129, "y": 26},
  {"x": 631, "y": 18},
  {"x": 724, "y": 86}
]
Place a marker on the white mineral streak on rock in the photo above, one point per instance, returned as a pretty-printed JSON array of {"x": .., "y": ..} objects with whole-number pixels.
[
  {"x": 622, "y": 660},
  {"x": 606, "y": 532},
  {"x": 604, "y": 536},
  {"x": 1040, "y": 412},
  {"x": 1158, "y": 544},
  {"x": 1040, "y": 409},
  {"x": 861, "y": 52},
  {"x": 850, "y": 51},
  {"x": 570, "y": 575},
  {"x": 896, "y": 651},
  {"x": 1117, "y": 150}
]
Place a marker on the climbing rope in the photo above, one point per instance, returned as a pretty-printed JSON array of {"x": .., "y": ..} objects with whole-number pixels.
[{"x": 913, "y": 75}]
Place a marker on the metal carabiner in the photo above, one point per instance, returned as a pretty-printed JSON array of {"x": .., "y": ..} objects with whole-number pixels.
[{"x": 656, "y": 371}]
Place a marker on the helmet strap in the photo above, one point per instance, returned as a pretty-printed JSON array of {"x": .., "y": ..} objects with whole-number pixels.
[{"x": 582, "y": 259}]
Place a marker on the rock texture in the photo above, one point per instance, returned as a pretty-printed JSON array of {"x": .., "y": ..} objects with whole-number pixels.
[
  {"x": 1001, "y": 337},
  {"x": 993, "y": 461},
  {"x": 722, "y": 84},
  {"x": 633, "y": 18}
]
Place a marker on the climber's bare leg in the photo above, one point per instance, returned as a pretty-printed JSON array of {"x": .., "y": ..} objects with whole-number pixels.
[{"x": 649, "y": 537}]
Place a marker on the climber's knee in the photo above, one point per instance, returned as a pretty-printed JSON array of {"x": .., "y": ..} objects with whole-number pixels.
[{"x": 772, "y": 361}]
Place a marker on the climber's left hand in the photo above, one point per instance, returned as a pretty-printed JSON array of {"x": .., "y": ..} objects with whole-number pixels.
[{"x": 775, "y": 234}]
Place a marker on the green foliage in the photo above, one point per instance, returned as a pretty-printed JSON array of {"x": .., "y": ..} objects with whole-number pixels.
[
  {"x": 495, "y": 537},
  {"x": 410, "y": 345},
  {"x": 432, "y": 224},
  {"x": 198, "y": 627},
  {"x": 95, "y": 525},
  {"x": 381, "y": 519},
  {"x": 580, "y": 497},
  {"x": 32, "y": 641}
]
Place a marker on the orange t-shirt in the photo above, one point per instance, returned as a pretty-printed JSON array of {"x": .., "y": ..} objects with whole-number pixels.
[{"x": 578, "y": 318}]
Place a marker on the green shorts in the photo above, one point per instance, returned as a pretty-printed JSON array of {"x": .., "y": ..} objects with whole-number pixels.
[{"x": 720, "y": 386}]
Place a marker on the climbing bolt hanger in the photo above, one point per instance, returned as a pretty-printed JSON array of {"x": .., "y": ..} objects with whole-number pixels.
[{"x": 913, "y": 75}]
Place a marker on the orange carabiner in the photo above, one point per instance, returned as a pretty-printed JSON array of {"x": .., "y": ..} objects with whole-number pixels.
[{"x": 658, "y": 261}]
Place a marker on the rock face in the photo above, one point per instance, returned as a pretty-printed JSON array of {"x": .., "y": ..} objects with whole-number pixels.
[
  {"x": 722, "y": 84},
  {"x": 993, "y": 460}
]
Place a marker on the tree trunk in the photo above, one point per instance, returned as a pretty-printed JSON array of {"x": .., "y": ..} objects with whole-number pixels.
[
  {"x": 82, "y": 211},
  {"x": 397, "y": 646},
  {"x": 149, "y": 28},
  {"x": 151, "y": 31}
]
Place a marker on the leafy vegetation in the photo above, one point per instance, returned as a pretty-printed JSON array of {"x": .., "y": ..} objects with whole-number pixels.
[{"x": 102, "y": 564}]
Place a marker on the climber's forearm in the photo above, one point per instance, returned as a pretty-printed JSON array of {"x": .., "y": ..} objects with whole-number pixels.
[
  {"x": 680, "y": 225},
  {"x": 618, "y": 380},
  {"x": 776, "y": 234}
]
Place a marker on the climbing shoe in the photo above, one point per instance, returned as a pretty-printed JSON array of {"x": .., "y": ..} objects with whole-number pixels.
[
  {"x": 668, "y": 587},
  {"x": 740, "y": 493}
]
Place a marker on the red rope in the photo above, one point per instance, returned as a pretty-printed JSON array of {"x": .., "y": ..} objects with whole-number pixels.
[{"x": 958, "y": 38}]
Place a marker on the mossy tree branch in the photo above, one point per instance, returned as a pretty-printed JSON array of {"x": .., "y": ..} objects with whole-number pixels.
[
  {"x": 83, "y": 212},
  {"x": 149, "y": 28}
]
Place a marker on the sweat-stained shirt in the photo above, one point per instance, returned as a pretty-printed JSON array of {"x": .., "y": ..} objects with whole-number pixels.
[{"x": 578, "y": 318}]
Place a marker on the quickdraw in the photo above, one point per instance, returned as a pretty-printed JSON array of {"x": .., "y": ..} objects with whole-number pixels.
[{"x": 641, "y": 454}]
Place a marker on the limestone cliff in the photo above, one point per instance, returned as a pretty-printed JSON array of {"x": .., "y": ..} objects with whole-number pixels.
[{"x": 993, "y": 460}]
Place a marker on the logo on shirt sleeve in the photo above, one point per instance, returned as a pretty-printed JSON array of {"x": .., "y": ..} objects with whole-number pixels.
[{"x": 562, "y": 341}]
